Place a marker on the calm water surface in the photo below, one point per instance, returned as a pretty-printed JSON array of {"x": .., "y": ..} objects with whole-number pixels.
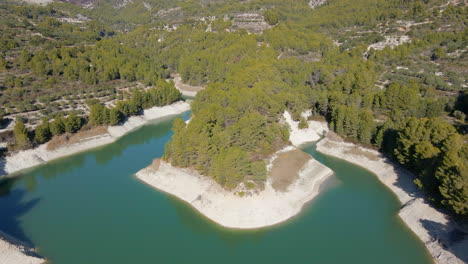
[{"x": 89, "y": 208}]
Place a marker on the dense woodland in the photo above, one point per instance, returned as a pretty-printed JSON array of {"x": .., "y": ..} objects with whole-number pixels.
[{"x": 409, "y": 101}]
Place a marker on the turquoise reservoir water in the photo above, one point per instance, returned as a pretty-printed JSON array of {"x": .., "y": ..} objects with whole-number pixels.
[{"x": 89, "y": 208}]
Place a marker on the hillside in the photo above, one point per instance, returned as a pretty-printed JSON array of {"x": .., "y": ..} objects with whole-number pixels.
[{"x": 386, "y": 74}]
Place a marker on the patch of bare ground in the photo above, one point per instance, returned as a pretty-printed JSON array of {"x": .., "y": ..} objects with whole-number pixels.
[
  {"x": 286, "y": 168},
  {"x": 361, "y": 152},
  {"x": 68, "y": 139},
  {"x": 334, "y": 137},
  {"x": 155, "y": 164},
  {"x": 335, "y": 142},
  {"x": 252, "y": 22},
  {"x": 314, "y": 3},
  {"x": 186, "y": 89}
]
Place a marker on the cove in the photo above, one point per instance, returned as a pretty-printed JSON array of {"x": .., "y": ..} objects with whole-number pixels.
[{"x": 89, "y": 208}]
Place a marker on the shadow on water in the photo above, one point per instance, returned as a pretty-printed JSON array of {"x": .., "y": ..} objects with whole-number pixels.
[
  {"x": 451, "y": 237},
  {"x": 138, "y": 137},
  {"x": 102, "y": 155},
  {"x": 13, "y": 207},
  {"x": 2, "y": 167},
  {"x": 2, "y": 161},
  {"x": 48, "y": 171},
  {"x": 12, "y": 204}
]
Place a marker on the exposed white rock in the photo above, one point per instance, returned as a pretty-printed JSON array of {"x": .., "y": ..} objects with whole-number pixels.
[
  {"x": 265, "y": 208},
  {"x": 40, "y": 2},
  {"x": 33, "y": 157},
  {"x": 314, "y": 3},
  {"x": 419, "y": 216},
  {"x": 390, "y": 41},
  {"x": 301, "y": 136}
]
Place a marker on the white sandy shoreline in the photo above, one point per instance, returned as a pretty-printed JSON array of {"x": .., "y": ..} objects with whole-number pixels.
[
  {"x": 226, "y": 208},
  {"x": 256, "y": 210},
  {"x": 414, "y": 211},
  {"x": 13, "y": 251},
  {"x": 40, "y": 155},
  {"x": 270, "y": 207}
]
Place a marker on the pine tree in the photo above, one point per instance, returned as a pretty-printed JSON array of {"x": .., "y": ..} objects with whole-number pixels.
[
  {"x": 42, "y": 133},
  {"x": 72, "y": 123},
  {"x": 453, "y": 175},
  {"x": 21, "y": 135},
  {"x": 24, "y": 59},
  {"x": 366, "y": 126},
  {"x": 271, "y": 17},
  {"x": 57, "y": 127},
  {"x": 97, "y": 114},
  {"x": 3, "y": 63},
  {"x": 2, "y": 115},
  {"x": 115, "y": 117},
  {"x": 303, "y": 123}
]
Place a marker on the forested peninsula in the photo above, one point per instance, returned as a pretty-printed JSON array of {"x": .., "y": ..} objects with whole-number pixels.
[{"x": 387, "y": 75}]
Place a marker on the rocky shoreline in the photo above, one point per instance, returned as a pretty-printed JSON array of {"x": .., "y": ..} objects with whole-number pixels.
[
  {"x": 444, "y": 241},
  {"x": 15, "y": 251},
  {"x": 40, "y": 155},
  {"x": 234, "y": 209},
  {"x": 290, "y": 185}
]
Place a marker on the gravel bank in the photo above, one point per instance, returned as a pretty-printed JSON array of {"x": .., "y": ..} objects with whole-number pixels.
[
  {"x": 445, "y": 242},
  {"x": 40, "y": 155},
  {"x": 228, "y": 208}
]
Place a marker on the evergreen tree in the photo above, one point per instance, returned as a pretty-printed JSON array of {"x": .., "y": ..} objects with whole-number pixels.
[
  {"x": 115, "y": 117},
  {"x": 453, "y": 174},
  {"x": 42, "y": 133},
  {"x": 366, "y": 126},
  {"x": 24, "y": 59},
  {"x": 21, "y": 135},
  {"x": 57, "y": 127},
  {"x": 271, "y": 17},
  {"x": 2, "y": 115},
  {"x": 97, "y": 114},
  {"x": 72, "y": 123},
  {"x": 3, "y": 63},
  {"x": 303, "y": 123}
]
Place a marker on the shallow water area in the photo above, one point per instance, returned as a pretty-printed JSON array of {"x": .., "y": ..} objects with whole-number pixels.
[{"x": 89, "y": 208}]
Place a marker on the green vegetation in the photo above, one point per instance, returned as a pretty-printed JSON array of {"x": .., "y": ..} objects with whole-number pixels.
[
  {"x": 57, "y": 127},
  {"x": 21, "y": 135},
  {"x": 99, "y": 115},
  {"x": 42, "y": 133},
  {"x": 164, "y": 94},
  {"x": 303, "y": 123},
  {"x": 407, "y": 99},
  {"x": 73, "y": 123},
  {"x": 271, "y": 17},
  {"x": 367, "y": 99}
]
